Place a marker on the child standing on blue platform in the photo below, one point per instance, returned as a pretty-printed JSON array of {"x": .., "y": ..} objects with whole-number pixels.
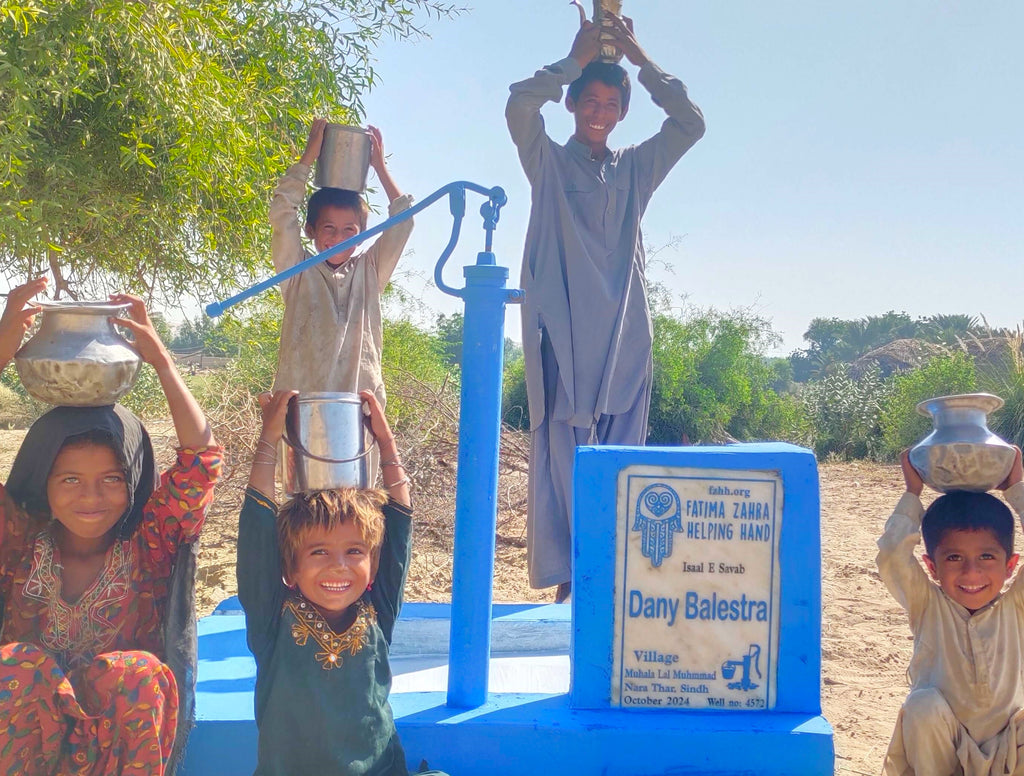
[
  {"x": 965, "y": 710},
  {"x": 586, "y": 320},
  {"x": 332, "y": 333},
  {"x": 321, "y": 582}
]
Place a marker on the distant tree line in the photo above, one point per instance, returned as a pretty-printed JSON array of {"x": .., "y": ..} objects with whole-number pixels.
[{"x": 834, "y": 341}]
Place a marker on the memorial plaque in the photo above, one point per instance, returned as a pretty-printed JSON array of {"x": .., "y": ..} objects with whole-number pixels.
[{"x": 696, "y": 588}]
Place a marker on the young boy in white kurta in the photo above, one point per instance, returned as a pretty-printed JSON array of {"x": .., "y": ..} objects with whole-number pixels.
[
  {"x": 965, "y": 710},
  {"x": 332, "y": 333}
]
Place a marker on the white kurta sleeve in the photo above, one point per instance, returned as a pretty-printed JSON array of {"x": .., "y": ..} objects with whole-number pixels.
[
  {"x": 285, "y": 231},
  {"x": 1014, "y": 496},
  {"x": 898, "y": 566},
  {"x": 388, "y": 248}
]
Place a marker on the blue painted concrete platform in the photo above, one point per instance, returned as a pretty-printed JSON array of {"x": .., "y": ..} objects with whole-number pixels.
[{"x": 515, "y": 732}]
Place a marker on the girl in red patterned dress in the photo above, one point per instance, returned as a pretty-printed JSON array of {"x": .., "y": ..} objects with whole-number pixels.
[{"x": 97, "y": 577}]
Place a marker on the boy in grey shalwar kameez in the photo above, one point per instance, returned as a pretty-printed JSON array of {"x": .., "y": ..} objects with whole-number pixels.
[{"x": 586, "y": 324}]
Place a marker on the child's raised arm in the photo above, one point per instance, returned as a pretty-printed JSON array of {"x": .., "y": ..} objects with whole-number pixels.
[
  {"x": 17, "y": 318},
  {"x": 900, "y": 571},
  {"x": 386, "y": 252},
  {"x": 622, "y": 34},
  {"x": 379, "y": 165},
  {"x": 314, "y": 143},
  {"x": 274, "y": 407},
  {"x": 911, "y": 476},
  {"x": 396, "y": 481},
  {"x": 1015, "y": 495},
  {"x": 190, "y": 424}
]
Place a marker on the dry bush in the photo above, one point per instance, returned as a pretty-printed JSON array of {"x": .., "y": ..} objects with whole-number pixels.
[
  {"x": 427, "y": 435},
  {"x": 16, "y": 411},
  {"x": 428, "y": 439}
]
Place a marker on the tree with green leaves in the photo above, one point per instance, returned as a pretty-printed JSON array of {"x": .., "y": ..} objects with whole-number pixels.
[
  {"x": 139, "y": 141},
  {"x": 951, "y": 329},
  {"x": 901, "y": 425},
  {"x": 835, "y": 342},
  {"x": 712, "y": 380}
]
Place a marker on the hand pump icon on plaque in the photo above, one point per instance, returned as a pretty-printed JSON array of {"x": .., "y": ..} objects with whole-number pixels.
[{"x": 751, "y": 660}]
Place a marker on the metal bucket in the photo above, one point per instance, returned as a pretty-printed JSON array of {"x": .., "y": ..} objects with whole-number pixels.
[
  {"x": 344, "y": 160},
  {"x": 324, "y": 443}
]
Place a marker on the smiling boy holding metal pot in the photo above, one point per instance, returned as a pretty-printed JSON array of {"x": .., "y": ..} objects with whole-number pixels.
[{"x": 332, "y": 332}]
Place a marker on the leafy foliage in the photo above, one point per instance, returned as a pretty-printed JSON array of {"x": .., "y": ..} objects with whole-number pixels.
[
  {"x": 139, "y": 140},
  {"x": 1006, "y": 380},
  {"x": 449, "y": 334},
  {"x": 205, "y": 334},
  {"x": 834, "y": 341},
  {"x": 844, "y": 413},
  {"x": 950, "y": 329},
  {"x": 411, "y": 355},
  {"x": 712, "y": 381},
  {"x": 899, "y": 421},
  {"x": 515, "y": 407}
]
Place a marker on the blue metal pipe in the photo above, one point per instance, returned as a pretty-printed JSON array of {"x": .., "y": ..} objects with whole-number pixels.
[
  {"x": 455, "y": 190},
  {"x": 476, "y": 505}
]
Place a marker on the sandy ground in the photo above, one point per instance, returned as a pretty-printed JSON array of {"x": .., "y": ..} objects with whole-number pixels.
[{"x": 866, "y": 643}]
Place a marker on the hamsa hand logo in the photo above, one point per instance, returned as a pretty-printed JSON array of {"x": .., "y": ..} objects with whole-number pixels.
[{"x": 659, "y": 514}]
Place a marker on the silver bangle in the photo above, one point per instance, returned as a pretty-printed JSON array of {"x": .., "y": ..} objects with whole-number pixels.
[
  {"x": 404, "y": 481},
  {"x": 393, "y": 462},
  {"x": 269, "y": 446}
]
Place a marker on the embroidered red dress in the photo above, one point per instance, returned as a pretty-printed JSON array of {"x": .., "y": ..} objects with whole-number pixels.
[{"x": 82, "y": 686}]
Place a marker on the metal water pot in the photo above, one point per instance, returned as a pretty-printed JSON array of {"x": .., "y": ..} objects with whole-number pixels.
[
  {"x": 609, "y": 52},
  {"x": 324, "y": 444},
  {"x": 961, "y": 453},
  {"x": 77, "y": 358},
  {"x": 344, "y": 160}
]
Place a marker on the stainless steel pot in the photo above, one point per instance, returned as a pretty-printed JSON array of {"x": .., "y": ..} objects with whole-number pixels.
[
  {"x": 609, "y": 52},
  {"x": 344, "y": 160},
  {"x": 324, "y": 445},
  {"x": 961, "y": 453},
  {"x": 77, "y": 358}
]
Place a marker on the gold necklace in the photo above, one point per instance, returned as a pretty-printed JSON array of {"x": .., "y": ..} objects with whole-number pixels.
[{"x": 309, "y": 622}]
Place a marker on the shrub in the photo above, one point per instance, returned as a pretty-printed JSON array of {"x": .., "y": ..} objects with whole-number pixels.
[
  {"x": 844, "y": 414},
  {"x": 411, "y": 356},
  {"x": 515, "y": 409},
  {"x": 899, "y": 421},
  {"x": 1007, "y": 381},
  {"x": 146, "y": 398},
  {"x": 16, "y": 409},
  {"x": 712, "y": 381}
]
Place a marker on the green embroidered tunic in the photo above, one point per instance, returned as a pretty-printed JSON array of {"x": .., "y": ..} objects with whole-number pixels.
[{"x": 321, "y": 698}]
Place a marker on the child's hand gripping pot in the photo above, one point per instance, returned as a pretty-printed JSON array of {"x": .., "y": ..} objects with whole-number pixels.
[{"x": 17, "y": 318}]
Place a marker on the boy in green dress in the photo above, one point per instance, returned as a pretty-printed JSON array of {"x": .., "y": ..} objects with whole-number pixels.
[{"x": 321, "y": 583}]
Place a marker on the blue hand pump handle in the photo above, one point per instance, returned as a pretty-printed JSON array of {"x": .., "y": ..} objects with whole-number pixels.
[{"x": 457, "y": 203}]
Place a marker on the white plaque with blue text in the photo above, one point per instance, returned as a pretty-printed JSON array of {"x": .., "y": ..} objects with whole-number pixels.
[{"x": 696, "y": 588}]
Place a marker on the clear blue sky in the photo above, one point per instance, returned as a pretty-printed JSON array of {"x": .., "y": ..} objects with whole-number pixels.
[{"x": 859, "y": 157}]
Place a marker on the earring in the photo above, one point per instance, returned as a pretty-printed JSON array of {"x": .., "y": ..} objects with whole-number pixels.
[{"x": 286, "y": 583}]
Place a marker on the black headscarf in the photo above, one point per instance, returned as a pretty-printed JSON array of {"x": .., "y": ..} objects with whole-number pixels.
[
  {"x": 27, "y": 483},
  {"x": 27, "y": 486}
]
